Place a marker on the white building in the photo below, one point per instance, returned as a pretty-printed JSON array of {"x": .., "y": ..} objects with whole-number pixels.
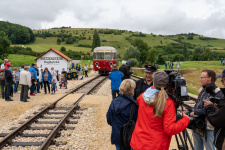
[{"x": 54, "y": 58}]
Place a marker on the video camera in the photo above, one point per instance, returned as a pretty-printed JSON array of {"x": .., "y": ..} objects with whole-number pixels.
[
  {"x": 177, "y": 88},
  {"x": 212, "y": 98}
]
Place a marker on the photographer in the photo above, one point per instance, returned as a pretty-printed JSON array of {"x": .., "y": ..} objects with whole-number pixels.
[
  {"x": 207, "y": 79},
  {"x": 156, "y": 122},
  {"x": 216, "y": 117}
]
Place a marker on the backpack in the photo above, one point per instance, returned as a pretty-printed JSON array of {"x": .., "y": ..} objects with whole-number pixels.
[
  {"x": 32, "y": 75},
  {"x": 2, "y": 75},
  {"x": 127, "y": 130}
]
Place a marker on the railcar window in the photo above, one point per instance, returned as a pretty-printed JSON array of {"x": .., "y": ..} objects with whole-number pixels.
[
  {"x": 109, "y": 56},
  {"x": 99, "y": 55}
]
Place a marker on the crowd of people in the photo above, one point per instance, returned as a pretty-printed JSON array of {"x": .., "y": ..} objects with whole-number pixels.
[
  {"x": 155, "y": 114},
  {"x": 32, "y": 79}
]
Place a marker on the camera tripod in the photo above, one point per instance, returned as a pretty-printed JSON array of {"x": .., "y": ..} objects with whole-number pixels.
[{"x": 184, "y": 137}]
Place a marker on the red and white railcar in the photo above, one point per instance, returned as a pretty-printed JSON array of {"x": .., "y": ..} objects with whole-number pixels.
[{"x": 103, "y": 59}]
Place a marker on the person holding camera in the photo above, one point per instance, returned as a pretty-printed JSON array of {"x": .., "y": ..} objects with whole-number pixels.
[
  {"x": 209, "y": 89},
  {"x": 215, "y": 115},
  {"x": 144, "y": 84},
  {"x": 156, "y": 122}
]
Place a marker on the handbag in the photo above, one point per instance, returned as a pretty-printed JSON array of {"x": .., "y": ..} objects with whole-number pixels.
[{"x": 127, "y": 130}]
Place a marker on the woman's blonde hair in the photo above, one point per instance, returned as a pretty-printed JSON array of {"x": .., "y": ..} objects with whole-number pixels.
[
  {"x": 127, "y": 87},
  {"x": 160, "y": 80},
  {"x": 52, "y": 68},
  {"x": 159, "y": 102}
]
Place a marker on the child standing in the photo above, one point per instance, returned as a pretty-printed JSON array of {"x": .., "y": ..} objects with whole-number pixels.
[{"x": 53, "y": 86}]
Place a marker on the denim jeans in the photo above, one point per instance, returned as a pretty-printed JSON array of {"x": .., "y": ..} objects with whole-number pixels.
[
  {"x": 2, "y": 88},
  {"x": 114, "y": 93},
  {"x": 117, "y": 147},
  {"x": 38, "y": 86},
  {"x": 32, "y": 88},
  {"x": 8, "y": 87},
  {"x": 200, "y": 142},
  {"x": 24, "y": 93},
  {"x": 16, "y": 85}
]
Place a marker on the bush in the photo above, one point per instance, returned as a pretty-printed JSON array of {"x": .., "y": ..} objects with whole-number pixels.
[
  {"x": 160, "y": 60},
  {"x": 104, "y": 40},
  {"x": 133, "y": 61},
  {"x": 178, "y": 57}
]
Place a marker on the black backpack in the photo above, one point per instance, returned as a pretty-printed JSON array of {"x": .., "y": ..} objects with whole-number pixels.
[{"x": 127, "y": 130}]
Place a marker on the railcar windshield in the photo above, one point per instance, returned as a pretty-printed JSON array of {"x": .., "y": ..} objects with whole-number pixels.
[
  {"x": 99, "y": 56},
  {"x": 110, "y": 56}
]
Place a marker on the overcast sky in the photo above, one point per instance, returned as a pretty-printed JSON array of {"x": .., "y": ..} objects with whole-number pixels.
[{"x": 204, "y": 17}]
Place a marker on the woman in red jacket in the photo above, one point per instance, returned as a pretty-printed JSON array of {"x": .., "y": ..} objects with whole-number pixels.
[{"x": 156, "y": 121}]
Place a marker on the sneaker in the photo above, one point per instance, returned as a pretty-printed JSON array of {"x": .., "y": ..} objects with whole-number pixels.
[
  {"x": 25, "y": 101},
  {"x": 51, "y": 93},
  {"x": 28, "y": 97},
  {"x": 32, "y": 94},
  {"x": 9, "y": 99}
]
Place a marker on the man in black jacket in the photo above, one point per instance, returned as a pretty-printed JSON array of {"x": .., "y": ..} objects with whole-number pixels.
[
  {"x": 8, "y": 83},
  {"x": 143, "y": 84},
  {"x": 215, "y": 115},
  {"x": 207, "y": 79},
  {"x": 125, "y": 70}
]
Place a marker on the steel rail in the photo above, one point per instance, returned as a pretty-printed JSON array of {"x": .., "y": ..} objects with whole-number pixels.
[
  {"x": 53, "y": 133},
  {"x": 7, "y": 139}
]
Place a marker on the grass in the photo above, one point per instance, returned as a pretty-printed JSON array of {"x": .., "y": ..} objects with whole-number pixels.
[
  {"x": 41, "y": 45},
  {"x": 117, "y": 41},
  {"x": 16, "y": 59},
  {"x": 191, "y": 71},
  {"x": 198, "y": 65}
]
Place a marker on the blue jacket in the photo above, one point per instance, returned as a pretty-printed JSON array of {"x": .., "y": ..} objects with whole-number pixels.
[
  {"x": 118, "y": 115},
  {"x": 49, "y": 76},
  {"x": 32, "y": 69},
  {"x": 116, "y": 79}
]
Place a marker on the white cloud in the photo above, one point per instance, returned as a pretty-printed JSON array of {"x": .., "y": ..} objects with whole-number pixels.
[{"x": 150, "y": 16}]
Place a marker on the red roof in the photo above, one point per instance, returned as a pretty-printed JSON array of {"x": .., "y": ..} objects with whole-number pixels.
[{"x": 57, "y": 52}]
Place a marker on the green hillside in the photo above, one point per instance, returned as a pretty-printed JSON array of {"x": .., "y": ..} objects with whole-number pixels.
[{"x": 120, "y": 39}]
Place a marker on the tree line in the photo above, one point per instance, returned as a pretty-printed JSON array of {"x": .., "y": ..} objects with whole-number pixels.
[{"x": 17, "y": 34}]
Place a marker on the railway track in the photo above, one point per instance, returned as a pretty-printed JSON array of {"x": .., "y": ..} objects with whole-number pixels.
[
  {"x": 58, "y": 116},
  {"x": 187, "y": 104}
]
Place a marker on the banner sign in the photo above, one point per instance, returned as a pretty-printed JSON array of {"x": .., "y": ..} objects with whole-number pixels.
[
  {"x": 51, "y": 58},
  {"x": 51, "y": 62}
]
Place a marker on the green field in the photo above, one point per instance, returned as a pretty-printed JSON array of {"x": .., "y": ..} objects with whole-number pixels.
[
  {"x": 118, "y": 41},
  {"x": 191, "y": 70},
  {"x": 16, "y": 60}
]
